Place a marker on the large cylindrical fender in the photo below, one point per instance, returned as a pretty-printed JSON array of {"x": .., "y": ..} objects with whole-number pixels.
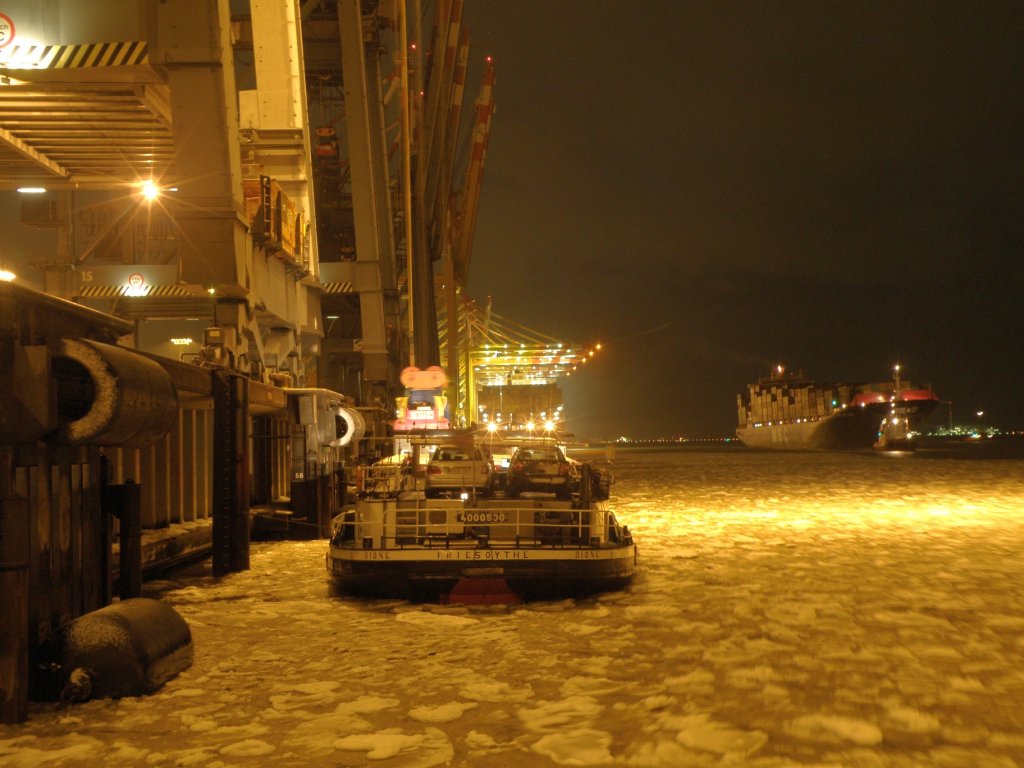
[
  {"x": 128, "y": 648},
  {"x": 350, "y": 425},
  {"x": 109, "y": 395}
]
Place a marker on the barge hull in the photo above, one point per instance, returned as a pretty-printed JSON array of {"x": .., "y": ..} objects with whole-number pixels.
[{"x": 531, "y": 574}]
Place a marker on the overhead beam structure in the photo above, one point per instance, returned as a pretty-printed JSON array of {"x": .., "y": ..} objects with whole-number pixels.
[
  {"x": 375, "y": 268},
  {"x": 505, "y": 352},
  {"x": 280, "y": 219}
]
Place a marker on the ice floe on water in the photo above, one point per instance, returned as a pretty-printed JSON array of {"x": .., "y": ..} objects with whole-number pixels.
[
  {"x": 576, "y": 746},
  {"x": 835, "y": 729},
  {"x": 806, "y": 610},
  {"x": 441, "y": 713}
]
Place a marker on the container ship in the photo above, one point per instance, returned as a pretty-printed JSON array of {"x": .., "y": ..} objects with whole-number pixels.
[{"x": 789, "y": 411}]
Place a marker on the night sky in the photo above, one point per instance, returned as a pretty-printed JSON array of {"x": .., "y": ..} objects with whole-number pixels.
[{"x": 709, "y": 188}]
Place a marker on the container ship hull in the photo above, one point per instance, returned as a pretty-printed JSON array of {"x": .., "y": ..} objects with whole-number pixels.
[{"x": 787, "y": 412}]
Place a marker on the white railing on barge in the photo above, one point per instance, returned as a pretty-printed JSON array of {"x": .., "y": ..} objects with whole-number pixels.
[{"x": 415, "y": 521}]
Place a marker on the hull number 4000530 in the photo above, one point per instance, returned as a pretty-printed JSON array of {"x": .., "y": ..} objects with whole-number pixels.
[{"x": 482, "y": 517}]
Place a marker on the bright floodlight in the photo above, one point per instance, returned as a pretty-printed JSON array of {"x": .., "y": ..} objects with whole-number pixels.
[
  {"x": 492, "y": 426},
  {"x": 7, "y": 276},
  {"x": 150, "y": 191},
  {"x": 530, "y": 425},
  {"x": 549, "y": 425}
]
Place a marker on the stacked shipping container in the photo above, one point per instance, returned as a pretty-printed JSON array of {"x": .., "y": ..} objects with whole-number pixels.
[{"x": 778, "y": 400}]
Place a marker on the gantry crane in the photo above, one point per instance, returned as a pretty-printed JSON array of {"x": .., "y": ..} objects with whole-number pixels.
[{"x": 462, "y": 215}]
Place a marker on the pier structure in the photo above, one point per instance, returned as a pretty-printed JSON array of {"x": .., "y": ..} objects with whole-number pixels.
[{"x": 229, "y": 228}]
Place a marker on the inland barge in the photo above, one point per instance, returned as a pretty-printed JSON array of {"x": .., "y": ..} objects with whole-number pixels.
[{"x": 398, "y": 541}]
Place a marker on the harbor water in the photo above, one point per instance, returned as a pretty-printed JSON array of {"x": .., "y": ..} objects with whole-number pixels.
[{"x": 792, "y": 609}]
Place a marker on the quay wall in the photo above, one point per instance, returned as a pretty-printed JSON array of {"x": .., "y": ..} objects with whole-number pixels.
[{"x": 81, "y": 517}]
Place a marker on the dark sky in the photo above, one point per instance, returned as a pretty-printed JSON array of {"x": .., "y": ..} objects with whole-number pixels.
[{"x": 709, "y": 188}]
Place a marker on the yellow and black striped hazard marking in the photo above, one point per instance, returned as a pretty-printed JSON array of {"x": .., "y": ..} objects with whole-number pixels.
[
  {"x": 339, "y": 287},
  {"x": 171, "y": 290},
  {"x": 74, "y": 55},
  {"x": 114, "y": 291}
]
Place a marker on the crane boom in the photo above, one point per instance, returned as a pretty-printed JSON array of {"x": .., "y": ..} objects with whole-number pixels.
[{"x": 466, "y": 221}]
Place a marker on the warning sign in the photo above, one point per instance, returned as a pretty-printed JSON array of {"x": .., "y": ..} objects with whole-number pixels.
[{"x": 6, "y": 29}]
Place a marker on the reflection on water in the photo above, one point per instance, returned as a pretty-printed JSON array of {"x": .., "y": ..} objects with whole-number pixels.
[
  {"x": 688, "y": 492},
  {"x": 840, "y": 609}
]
